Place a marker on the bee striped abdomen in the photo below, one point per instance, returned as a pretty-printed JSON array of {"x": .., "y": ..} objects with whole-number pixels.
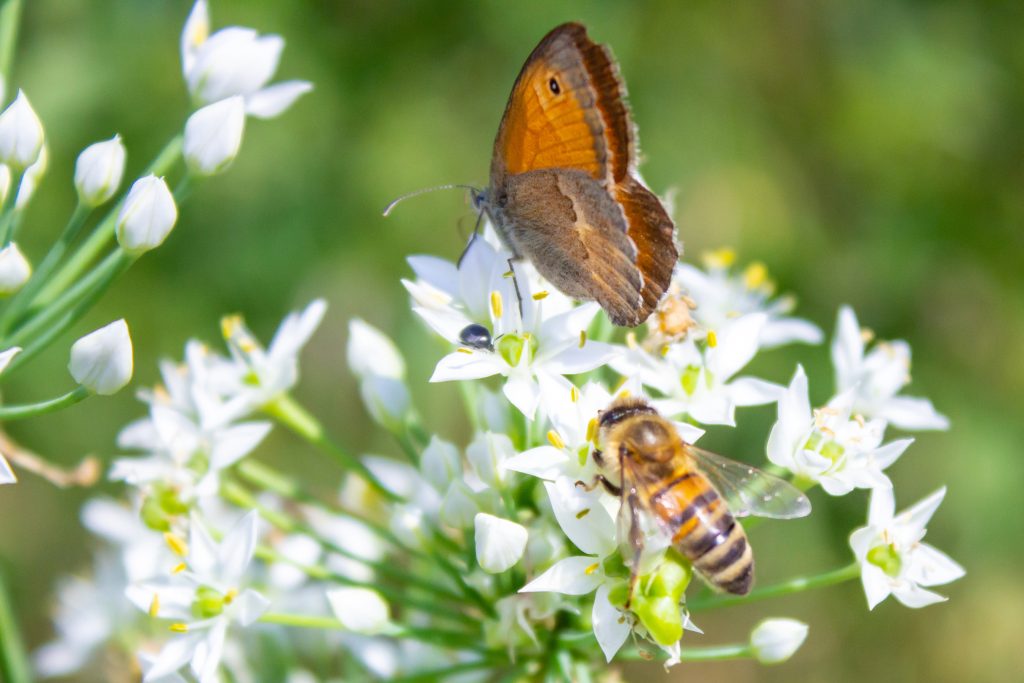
[{"x": 704, "y": 531}]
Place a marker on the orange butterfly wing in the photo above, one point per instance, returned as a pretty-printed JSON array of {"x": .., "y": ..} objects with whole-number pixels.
[{"x": 566, "y": 110}]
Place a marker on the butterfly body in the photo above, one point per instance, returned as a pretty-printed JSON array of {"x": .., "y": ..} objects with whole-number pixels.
[{"x": 563, "y": 189}]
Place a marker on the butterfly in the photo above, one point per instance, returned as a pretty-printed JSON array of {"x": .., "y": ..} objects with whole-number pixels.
[{"x": 564, "y": 191}]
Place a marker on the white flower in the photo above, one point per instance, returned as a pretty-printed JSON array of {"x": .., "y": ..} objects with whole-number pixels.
[
  {"x": 776, "y": 640},
  {"x": 235, "y": 61},
  {"x": 545, "y": 340},
  {"x": 101, "y": 361},
  {"x": 698, "y": 381},
  {"x": 378, "y": 364},
  {"x": 264, "y": 374},
  {"x": 359, "y": 609},
  {"x": 830, "y": 446},
  {"x": 98, "y": 171},
  {"x": 499, "y": 542},
  {"x": 14, "y": 269},
  {"x": 877, "y": 378},
  {"x": 892, "y": 557},
  {"x": 5, "y": 182},
  {"x": 147, "y": 216},
  {"x": 723, "y": 297},
  {"x": 204, "y": 599},
  {"x": 89, "y": 611},
  {"x": 21, "y": 134},
  {"x": 213, "y": 136},
  {"x": 593, "y": 532}
]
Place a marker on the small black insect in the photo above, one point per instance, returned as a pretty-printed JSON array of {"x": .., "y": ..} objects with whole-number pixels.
[{"x": 476, "y": 336}]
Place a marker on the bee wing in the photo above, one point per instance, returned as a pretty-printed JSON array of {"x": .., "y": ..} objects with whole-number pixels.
[{"x": 750, "y": 491}]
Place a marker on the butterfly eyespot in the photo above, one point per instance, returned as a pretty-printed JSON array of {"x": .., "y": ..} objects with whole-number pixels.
[{"x": 554, "y": 87}]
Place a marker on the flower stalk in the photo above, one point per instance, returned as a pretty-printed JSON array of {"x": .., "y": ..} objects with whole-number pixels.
[{"x": 789, "y": 587}]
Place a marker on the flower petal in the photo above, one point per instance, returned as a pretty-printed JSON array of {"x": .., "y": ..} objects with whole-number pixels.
[
  {"x": 912, "y": 413},
  {"x": 610, "y": 629},
  {"x": 274, "y": 100},
  {"x": 569, "y": 576},
  {"x": 473, "y": 365}
]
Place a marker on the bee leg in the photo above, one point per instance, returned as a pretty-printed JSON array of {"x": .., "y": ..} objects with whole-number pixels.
[
  {"x": 600, "y": 479},
  {"x": 598, "y": 457},
  {"x": 636, "y": 541}
]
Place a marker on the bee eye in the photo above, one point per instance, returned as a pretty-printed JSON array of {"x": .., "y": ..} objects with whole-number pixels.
[{"x": 553, "y": 85}]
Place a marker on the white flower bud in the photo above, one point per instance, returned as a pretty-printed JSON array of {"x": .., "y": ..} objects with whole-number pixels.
[
  {"x": 98, "y": 171},
  {"x": 359, "y": 609},
  {"x": 30, "y": 181},
  {"x": 101, "y": 361},
  {"x": 371, "y": 352},
  {"x": 775, "y": 640},
  {"x": 440, "y": 463},
  {"x": 499, "y": 542},
  {"x": 14, "y": 269},
  {"x": 21, "y": 134},
  {"x": 147, "y": 216},
  {"x": 195, "y": 33},
  {"x": 213, "y": 136}
]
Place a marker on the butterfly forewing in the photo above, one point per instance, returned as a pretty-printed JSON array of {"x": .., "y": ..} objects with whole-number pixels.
[{"x": 750, "y": 491}]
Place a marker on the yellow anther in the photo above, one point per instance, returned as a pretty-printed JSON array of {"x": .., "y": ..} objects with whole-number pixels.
[
  {"x": 592, "y": 427},
  {"x": 592, "y": 568},
  {"x": 719, "y": 258},
  {"x": 176, "y": 544},
  {"x": 555, "y": 439},
  {"x": 859, "y": 419},
  {"x": 508, "y": 273},
  {"x": 583, "y": 338},
  {"x": 154, "y": 606},
  {"x": 664, "y": 350},
  {"x": 755, "y": 275},
  {"x": 623, "y": 394},
  {"x": 247, "y": 345},
  {"x": 462, "y": 349},
  {"x": 574, "y": 394},
  {"x": 230, "y": 596},
  {"x": 540, "y": 295},
  {"x": 866, "y": 335},
  {"x": 582, "y": 513},
  {"x": 179, "y": 627},
  {"x": 712, "y": 339},
  {"x": 631, "y": 340},
  {"x": 496, "y": 304},
  {"x": 179, "y": 568},
  {"x": 229, "y": 324}
]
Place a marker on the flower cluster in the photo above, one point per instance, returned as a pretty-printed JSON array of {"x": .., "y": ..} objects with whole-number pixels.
[{"x": 519, "y": 553}]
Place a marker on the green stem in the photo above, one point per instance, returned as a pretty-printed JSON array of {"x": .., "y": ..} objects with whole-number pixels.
[
  {"x": 25, "y": 295},
  {"x": 104, "y": 232},
  {"x": 258, "y": 474},
  {"x": 712, "y": 653},
  {"x": 10, "y": 19},
  {"x": 8, "y": 413},
  {"x": 398, "y": 597},
  {"x": 13, "y": 660},
  {"x": 97, "y": 281},
  {"x": 797, "y": 585},
  {"x": 444, "y": 673},
  {"x": 237, "y": 494},
  {"x": 7, "y": 208},
  {"x": 288, "y": 412},
  {"x": 427, "y": 635}
]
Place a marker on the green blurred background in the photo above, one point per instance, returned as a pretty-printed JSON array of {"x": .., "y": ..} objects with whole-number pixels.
[{"x": 870, "y": 153}]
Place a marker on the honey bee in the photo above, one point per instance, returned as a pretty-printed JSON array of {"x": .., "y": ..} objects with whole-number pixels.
[{"x": 688, "y": 495}]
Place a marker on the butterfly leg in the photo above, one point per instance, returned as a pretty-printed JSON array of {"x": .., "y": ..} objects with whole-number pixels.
[
  {"x": 636, "y": 541},
  {"x": 472, "y": 238},
  {"x": 515, "y": 283}
]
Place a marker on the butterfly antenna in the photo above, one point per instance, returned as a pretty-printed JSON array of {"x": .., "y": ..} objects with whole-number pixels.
[{"x": 395, "y": 202}]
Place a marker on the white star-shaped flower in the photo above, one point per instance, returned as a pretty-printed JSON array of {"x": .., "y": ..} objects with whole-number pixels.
[
  {"x": 893, "y": 559},
  {"x": 876, "y": 378},
  {"x": 831, "y": 446}
]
